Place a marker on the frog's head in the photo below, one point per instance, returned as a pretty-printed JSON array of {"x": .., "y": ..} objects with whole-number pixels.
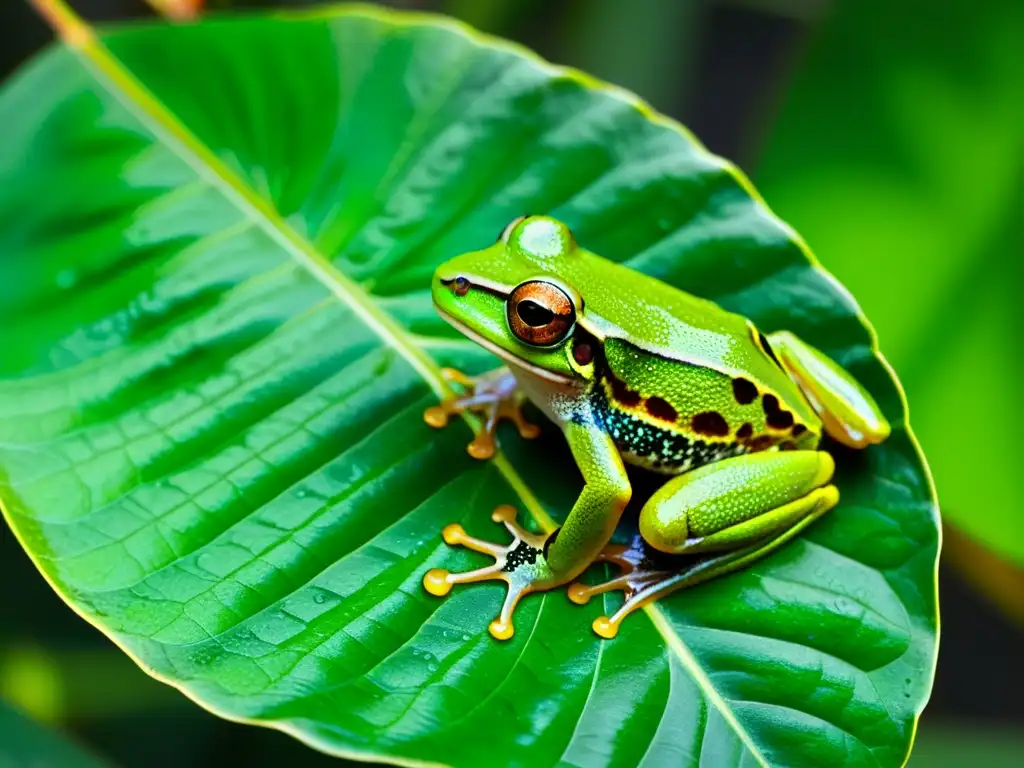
[{"x": 513, "y": 299}]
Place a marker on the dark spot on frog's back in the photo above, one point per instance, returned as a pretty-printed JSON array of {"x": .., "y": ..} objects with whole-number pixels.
[
  {"x": 798, "y": 429},
  {"x": 744, "y": 432},
  {"x": 623, "y": 394},
  {"x": 744, "y": 391},
  {"x": 710, "y": 423},
  {"x": 761, "y": 443},
  {"x": 661, "y": 409},
  {"x": 776, "y": 416}
]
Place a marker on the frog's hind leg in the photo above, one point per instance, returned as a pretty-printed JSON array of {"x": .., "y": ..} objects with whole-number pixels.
[
  {"x": 714, "y": 520},
  {"x": 849, "y": 413},
  {"x": 641, "y": 587},
  {"x": 494, "y": 396}
]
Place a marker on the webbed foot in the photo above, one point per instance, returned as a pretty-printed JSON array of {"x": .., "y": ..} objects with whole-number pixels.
[
  {"x": 521, "y": 564},
  {"x": 495, "y": 396},
  {"x": 643, "y": 571},
  {"x": 649, "y": 574}
]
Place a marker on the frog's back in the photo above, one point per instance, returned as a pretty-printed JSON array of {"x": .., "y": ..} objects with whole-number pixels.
[
  {"x": 670, "y": 416},
  {"x": 668, "y": 322},
  {"x": 684, "y": 382}
]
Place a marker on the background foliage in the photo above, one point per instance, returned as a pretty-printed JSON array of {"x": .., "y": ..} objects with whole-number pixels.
[{"x": 910, "y": 166}]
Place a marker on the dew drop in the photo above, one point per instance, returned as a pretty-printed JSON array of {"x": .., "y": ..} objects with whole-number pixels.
[
  {"x": 302, "y": 493},
  {"x": 465, "y": 638},
  {"x": 432, "y": 667},
  {"x": 320, "y": 598}
]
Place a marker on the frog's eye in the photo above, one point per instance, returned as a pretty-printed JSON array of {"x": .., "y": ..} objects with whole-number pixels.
[
  {"x": 540, "y": 313},
  {"x": 507, "y": 231}
]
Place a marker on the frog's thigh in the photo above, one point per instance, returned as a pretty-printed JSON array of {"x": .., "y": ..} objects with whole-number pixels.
[
  {"x": 738, "y": 501},
  {"x": 847, "y": 410}
]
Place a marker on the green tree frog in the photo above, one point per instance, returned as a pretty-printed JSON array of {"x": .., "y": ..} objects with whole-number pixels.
[{"x": 634, "y": 371}]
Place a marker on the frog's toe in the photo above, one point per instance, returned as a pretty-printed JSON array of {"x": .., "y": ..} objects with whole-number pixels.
[
  {"x": 437, "y": 416},
  {"x": 494, "y": 397},
  {"x": 520, "y": 564},
  {"x": 513, "y": 411},
  {"x": 639, "y": 581},
  {"x": 457, "y": 376},
  {"x": 483, "y": 446},
  {"x": 638, "y": 592}
]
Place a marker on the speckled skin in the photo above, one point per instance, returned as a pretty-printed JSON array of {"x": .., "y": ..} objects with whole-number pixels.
[
  {"x": 636, "y": 371},
  {"x": 628, "y": 378},
  {"x": 646, "y": 443}
]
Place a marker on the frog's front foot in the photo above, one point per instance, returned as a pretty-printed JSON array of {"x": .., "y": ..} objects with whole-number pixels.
[
  {"x": 494, "y": 395},
  {"x": 521, "y": 564}
]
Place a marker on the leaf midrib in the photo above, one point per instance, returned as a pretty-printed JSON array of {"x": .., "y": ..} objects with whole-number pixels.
[{"x": 117, "y": 80}]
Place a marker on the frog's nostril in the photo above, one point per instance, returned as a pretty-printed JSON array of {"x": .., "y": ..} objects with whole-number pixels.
[{"x": 461, "y": 286}]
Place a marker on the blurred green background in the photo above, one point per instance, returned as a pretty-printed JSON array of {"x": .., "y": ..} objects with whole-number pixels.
[{"x": 890, "y": 134}]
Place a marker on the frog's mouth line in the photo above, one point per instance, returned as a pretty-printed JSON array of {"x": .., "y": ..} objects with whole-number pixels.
[{"x": 505, "y": 355}]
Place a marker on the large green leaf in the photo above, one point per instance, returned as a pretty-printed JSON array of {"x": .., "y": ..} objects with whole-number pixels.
[
  {"x": 899, "y": 154},
  {"x": 218, "y": 343}
]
